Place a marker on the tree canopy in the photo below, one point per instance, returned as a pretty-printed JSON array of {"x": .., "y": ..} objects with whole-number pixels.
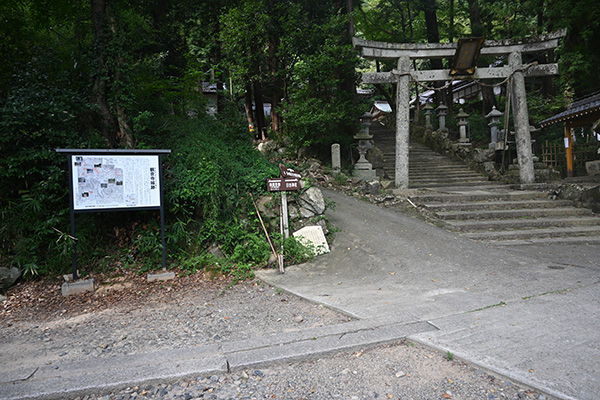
[{"x": 132, "y": 73}]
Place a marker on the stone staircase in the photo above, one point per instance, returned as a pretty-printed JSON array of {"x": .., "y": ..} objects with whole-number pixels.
[
  {"x": 430, "y": 169},
  {"x": 466, "y": 202},
  {"x": 426, "y": 167},
  {"x": 502, "y": 215}
]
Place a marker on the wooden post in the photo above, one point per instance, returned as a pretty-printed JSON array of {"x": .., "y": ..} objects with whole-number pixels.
[
  {"x": 521, "y": 115},
  {"x": 284, "y": 215},
  {"x": 402, "y": 122},
  {"x": 569, "y": 149}
]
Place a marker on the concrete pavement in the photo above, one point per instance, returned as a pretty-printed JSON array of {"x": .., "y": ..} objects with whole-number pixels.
[{"x": 530, "y": 313}]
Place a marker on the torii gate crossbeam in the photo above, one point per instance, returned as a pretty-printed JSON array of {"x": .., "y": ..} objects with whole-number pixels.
[{"x": 405, "y": 52}]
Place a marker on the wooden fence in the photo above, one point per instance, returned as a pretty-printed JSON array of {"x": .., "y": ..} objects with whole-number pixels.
[{"x": 555, "y": 155}]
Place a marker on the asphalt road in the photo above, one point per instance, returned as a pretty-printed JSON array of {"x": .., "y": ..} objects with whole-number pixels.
[{"x": 530, "y": 312}]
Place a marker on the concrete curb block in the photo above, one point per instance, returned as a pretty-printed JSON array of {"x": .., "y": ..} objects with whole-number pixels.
[
  {"x": 323, "y": 345},
  {"x": 69, "y": 288},
  {"x": 165, "y": 276},
  {"x": 95, "y": 376}
]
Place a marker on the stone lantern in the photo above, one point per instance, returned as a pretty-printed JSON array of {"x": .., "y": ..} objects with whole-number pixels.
[
  {"x": 363, "y": 168},
  {"x": 462, "y": 126},
  {"x": 428, "y": 107},
  {"x": 494, "y": 120},
  {"x": 442, "y": 111}
]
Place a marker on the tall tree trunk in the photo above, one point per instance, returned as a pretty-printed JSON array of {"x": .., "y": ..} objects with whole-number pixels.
[
  {"x": 433, "y": 36},
  {"x": 124, "y": 133},
  {"x": 260, "y": 109},
  {"x": 276, "y": 93},
  {"x": 100, "y": 86},
  {"x": 477, "y": 29},
  {"x": 248, "y": 107},
  {"x": 115, "y": 130},
  {"x": 216, "y": 59},
  {"x": 451, "y": 22}
]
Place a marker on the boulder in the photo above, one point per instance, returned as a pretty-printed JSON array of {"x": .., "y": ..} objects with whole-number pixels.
[
  {"x": 215, "y": 250},
  {"x": 267, "y": 207},
  {"x": 570, "y": 191},
  {"x": 8, "y": 276},
  {"x": 375, "y": 157},
  {"x": 482, "y": 155},
  {"x": 267, "y": 147},
  {"x": 591, "y": 199},
  {"x": 293, "y": 212},
  {"x": 593, "y": 167},
  {"x": 314, "y": 165},
  {"x": 311, "y": 202},
  {"x": 371, "y": 187}
]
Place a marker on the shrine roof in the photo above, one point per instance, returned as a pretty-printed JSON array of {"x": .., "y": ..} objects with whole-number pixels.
[{"x": 581, "y": 109}]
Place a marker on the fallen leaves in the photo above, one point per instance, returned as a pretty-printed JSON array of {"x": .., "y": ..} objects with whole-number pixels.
[{"x": 23, "y": 302}]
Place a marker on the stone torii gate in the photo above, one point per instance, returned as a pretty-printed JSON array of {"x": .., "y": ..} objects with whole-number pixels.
[{"x": 515, "y": 72}]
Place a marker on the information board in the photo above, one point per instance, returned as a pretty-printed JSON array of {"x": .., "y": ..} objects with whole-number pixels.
[{"x": 106, "y": 181}]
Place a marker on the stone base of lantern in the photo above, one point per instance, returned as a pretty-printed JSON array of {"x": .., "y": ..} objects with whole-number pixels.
[{"x": 364, "y": 171}]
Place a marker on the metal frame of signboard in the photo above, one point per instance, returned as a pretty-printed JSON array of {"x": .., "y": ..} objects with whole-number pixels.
[{"x": 115, "y": 152}]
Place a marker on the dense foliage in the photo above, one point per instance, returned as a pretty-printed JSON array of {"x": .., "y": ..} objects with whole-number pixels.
[{"x": 123, "y": 74}]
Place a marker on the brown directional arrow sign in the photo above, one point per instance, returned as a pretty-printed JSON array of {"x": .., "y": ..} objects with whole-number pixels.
[{"x": 289, "y": 172}]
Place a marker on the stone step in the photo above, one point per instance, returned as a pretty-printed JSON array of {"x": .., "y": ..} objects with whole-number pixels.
[
  {"x": 498, "y": 205},
  {"x": 445, "y": 174},
  {"x": 513, "y": 213},
  {"x": 449, "y": 174},
  {"x": 477, "y": 195},
  {"x": 587, "y": 240},
  {"x": 533, "y": 224},
  {"x": 562, "y": 232},
  {"x": 439, "y": 166},
  {"x": 443, "y": 184}
]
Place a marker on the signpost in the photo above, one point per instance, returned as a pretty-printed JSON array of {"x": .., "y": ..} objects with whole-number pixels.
[
  {"x": 283, "y": 184},
  {"x": 289, "y": 181},
  {"x": 115, "y": 180}
]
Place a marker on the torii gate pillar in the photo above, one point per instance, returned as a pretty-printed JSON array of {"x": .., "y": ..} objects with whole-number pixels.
[
  {"x": 521, "y": 115},
  {"x": 402, "y": 122}
]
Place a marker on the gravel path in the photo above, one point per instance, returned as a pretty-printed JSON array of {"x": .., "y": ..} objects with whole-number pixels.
[
  {"x": 397, "y": 371},
  {"x": 206, "y": 313},
  {"x": 152, "y": 316}
]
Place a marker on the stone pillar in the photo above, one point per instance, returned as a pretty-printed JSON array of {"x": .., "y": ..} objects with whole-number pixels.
[
  {"x": 521, "y": 117},
  {"x": 462, "y": 126},
  {"x": 402, "y": 122},
  {"x": 442, "y": 111},
  {"x": 494, "y": 121},
  {"x": 428, "y": 107},
  {"x": 336, "y": 160}
]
